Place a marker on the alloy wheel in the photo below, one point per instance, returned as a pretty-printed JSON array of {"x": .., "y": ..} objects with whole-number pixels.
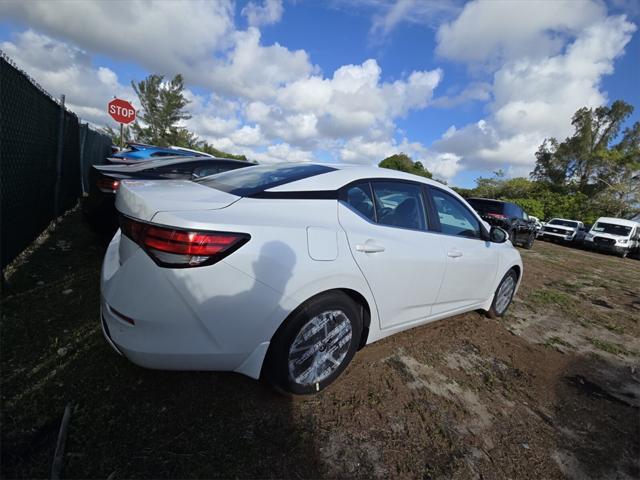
[
  {"x": 505, "y": 292},
  {"x": 320, "y": 347}
]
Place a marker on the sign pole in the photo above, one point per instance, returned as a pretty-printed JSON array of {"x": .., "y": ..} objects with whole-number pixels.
[{"x": 122, "y": 112}]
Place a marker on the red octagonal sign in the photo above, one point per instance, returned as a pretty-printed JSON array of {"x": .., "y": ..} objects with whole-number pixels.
[{"x": 121, "y": 111}]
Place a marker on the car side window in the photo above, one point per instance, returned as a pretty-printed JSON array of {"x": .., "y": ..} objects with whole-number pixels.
[
  {"x": 358, "y": 197},
  {"x": 399, "y": 204},
  {"x": 455, "y": 218}
]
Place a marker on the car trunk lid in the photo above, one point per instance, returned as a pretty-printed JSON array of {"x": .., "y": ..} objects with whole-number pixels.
[{"x": 142, "y": 199}]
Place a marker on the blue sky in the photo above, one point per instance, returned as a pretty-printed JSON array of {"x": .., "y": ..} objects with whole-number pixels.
[{"x": 466, "y": 88}]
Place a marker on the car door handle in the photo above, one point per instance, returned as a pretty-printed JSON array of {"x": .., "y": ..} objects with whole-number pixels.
[
  {"x": 369, "y": 248},
  {"x": 454, "y": 254}
]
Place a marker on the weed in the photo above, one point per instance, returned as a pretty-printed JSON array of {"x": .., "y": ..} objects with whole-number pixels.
[
  {"x": 614, "y": 328},
  {"x": 553, "y": 341},
  {"x": 550, "y": 297},
  {"x": 608, "y": 347}
]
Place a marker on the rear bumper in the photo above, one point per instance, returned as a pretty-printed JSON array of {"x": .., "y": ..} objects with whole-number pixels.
[
  {"x": 206, "y": 318},
  {"x": 107, "y": 336}
]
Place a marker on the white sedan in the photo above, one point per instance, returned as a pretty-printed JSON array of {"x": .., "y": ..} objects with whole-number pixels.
[{"x": 286, "y": 270}]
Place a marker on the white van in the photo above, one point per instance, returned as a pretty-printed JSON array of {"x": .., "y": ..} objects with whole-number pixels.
[{"x": 615, "y": 235}]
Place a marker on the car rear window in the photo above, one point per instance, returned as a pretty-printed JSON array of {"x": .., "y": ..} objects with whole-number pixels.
[
  {"x": 245, "y": 182},
  {"x": 484, "y": 207}
]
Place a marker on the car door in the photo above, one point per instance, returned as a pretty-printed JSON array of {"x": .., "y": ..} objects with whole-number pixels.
[
  {"x": 471, "y": 261},
  {"x": 522, "y": 224},
  {"x": 403, "y": 262}
]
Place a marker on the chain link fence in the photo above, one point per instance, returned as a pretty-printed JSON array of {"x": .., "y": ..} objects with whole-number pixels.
[{"x": 45, "y": 158}]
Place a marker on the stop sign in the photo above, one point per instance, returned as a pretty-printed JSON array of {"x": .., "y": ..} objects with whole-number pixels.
[{"x": 121, "y": 111}]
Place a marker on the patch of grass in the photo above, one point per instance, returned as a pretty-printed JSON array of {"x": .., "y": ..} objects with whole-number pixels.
[
  {"x": 608, "y": 347},
  {"x": 553, "y": 341},
  {"x": 550, "y": 297},
  {"x": 614, "y": 328}
]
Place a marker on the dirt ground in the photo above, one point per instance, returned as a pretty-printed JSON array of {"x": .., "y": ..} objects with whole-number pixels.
[{"x": 550, "y": 391}]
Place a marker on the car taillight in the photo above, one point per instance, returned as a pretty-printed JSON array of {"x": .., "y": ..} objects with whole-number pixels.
[
  {"x": 178, "y": 248},
  {"x": 108, "y": 185}
]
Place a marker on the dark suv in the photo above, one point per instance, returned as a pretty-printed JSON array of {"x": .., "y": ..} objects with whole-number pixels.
[{"x": 507, "y": 216}]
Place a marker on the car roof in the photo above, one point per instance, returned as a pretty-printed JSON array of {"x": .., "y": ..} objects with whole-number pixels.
[
  {"x": 565, "y": 219},
  {"x": 618, "y": 221},
  {"x": 343, "y": 174},
  {"x": 165, "y": 161}
]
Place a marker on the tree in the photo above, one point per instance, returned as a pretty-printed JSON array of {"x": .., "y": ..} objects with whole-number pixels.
[
  {"x": 163, "y": 105},
  {"x": 206, "y": 148},
  {"x": 590, "y": 163},
  {"x": 579, "y": 162},
  {"x": 403, "y": 163},
  {"x": 163, "y": 108},
  {"x": 115, "y": 134}
]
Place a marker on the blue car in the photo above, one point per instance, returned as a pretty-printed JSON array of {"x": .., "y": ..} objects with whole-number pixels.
[{"x": 139, "y": 152}]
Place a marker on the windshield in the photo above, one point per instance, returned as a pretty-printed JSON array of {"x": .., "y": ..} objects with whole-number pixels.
[
  {"x": 612, "y": 229},
  {"x": 484, "y": 207},
  {"x": 248, "y": 181},
  {"x": 564, "y": 223}
]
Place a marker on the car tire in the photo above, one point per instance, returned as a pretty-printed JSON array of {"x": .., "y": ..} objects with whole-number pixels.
[
  {"x": 501, "y": 303},
  {"x": 529, "y": 243},
  {"x": 296, "y": 351},
  {"x": 512, "y": 237}
]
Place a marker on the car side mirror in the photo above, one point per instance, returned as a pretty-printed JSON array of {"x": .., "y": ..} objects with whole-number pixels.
[{"x": 498, "y": 235}]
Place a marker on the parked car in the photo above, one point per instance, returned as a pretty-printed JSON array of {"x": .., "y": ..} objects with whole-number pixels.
[
  {"x": 104, "y": 180},
  {"x": 537, "y": 224},
  {"x": 508, "y": 216},
  {"x": 286, "y": 270},
  {"x": 614, "y": 235},
  {"x": 138, "y": 152},
  {"x": 561, "y": 229}
]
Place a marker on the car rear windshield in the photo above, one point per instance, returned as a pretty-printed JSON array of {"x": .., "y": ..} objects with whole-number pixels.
[
  {"x": 611, "y": 228},
  {"x": 245, "y": 182},
  {"x": 564, "y": 223},
  {"x": 484, "y": 207}
]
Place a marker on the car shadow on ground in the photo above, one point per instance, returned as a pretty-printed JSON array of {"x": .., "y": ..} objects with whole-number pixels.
[
  {"x": 549, "y": 391},
  {"x": 596, "y": 419},
  {"x": 125, "y": 419}
]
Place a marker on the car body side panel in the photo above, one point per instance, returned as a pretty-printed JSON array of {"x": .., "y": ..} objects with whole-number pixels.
[
  {"x": 469, "y": 276},
  {"x": 277, "y": 256}
]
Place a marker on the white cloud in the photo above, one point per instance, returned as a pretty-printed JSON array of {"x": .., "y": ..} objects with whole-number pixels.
[
  {"x": 360, "y": 150},
  {"x": 389, "y": 14},
  {"x": 268, "y": 13},
  {"x": 505, "y": 29},
  {"x": 541, "y": 81},
  {"x": 475, "y": 91},
  {"x": 63, "y": 69},
  {"x": 166, "y": 36},
  {"x": 353, "y": 102},
  {"x": 197, "y": 39},
  {"x": 283, "y": 152},
  {"x": 251, "y": 70}
]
